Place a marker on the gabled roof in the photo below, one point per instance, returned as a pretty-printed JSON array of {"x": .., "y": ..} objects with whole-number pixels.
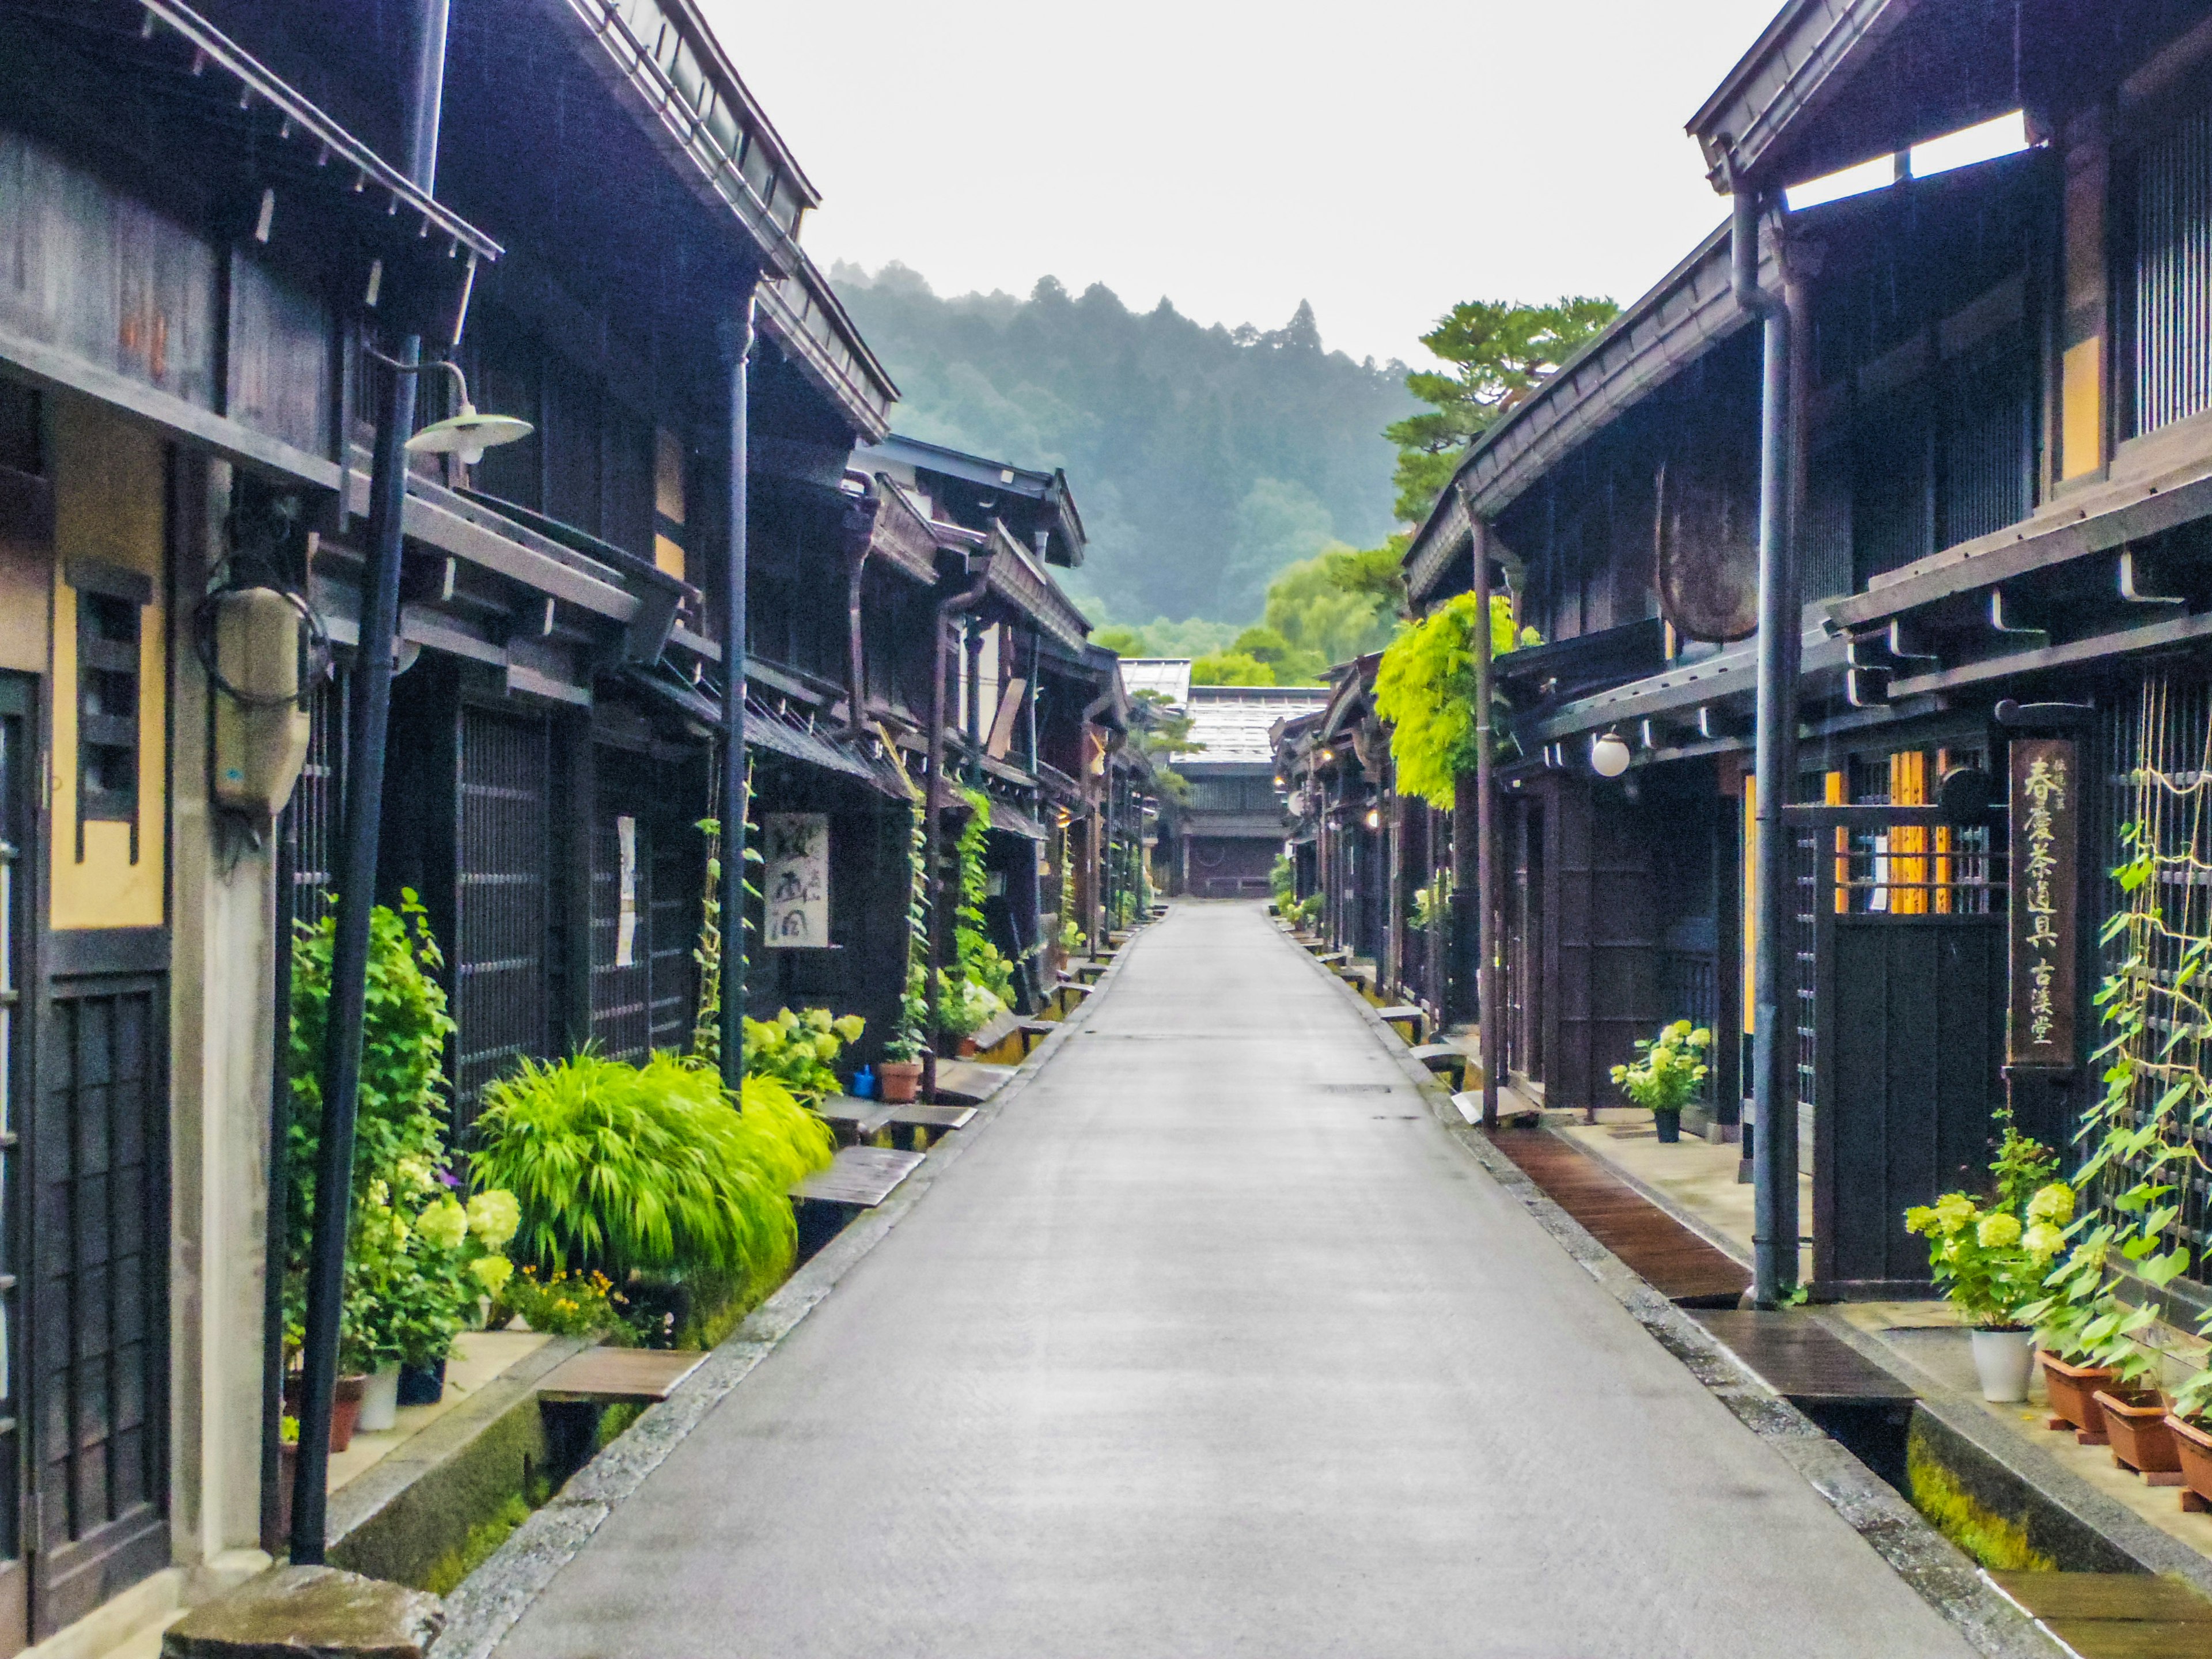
[
  {"x": 899, "y": 453},
  {"x": 1168, "y": 676},
  {"x": 1235, "y": 723}
]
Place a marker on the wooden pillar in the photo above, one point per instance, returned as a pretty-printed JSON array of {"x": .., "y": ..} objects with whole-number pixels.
[{"x": 2084, "y": 425}]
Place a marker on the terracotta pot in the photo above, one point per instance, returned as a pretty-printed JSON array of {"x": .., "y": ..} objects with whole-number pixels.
[
  {"x": 345, "y": 1411},
  {"x": 967, "y": 1048},
  {"x": 2073, "y": 1397},
  {"x": 2134, "y": 1422},
  {"x": 345, "y": 1407},
  {"x": 2192, "y": 1447},
  {"x": 899, "y": 1081}
]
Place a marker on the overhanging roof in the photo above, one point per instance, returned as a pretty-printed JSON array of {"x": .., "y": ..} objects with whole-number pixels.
[
  {"x": 802, "y": 315},
  {"x": 1019, "y": 580},
  {"x": 1691, "y": 310}
]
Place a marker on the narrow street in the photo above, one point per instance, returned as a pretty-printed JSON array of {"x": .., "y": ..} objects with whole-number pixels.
[{"x": 1214, "y": 1343}]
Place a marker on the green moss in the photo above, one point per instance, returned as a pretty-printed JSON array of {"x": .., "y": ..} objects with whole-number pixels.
[
  {"x": 617, "y": 1418},
  {"x": 476, "y": 1549},
  {"x": 1999, "y": 1544}
]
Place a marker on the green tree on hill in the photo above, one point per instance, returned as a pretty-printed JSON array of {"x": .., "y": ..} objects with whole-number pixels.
[{"x": 1501, "y": 351}]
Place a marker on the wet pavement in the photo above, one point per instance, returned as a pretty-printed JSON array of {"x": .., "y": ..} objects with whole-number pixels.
[{"x": 1215, "y": 1343}]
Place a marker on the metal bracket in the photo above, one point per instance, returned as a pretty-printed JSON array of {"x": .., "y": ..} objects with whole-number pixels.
[
  {"x": 1997, "y": 622},
  {"x": 2061, "y": 716},
  {"x": 2127, "y": 584},
  {"x": 1897, "y": 647}
]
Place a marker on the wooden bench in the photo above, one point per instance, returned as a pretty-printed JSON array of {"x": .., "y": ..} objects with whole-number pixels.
[
  {"x": 619, "y": 1374},
  {"x": 1332, "y": 958},
  {"x": 1443, "y": 1059},
  {"x": 1034, "y": 1031},
  {"x": 859, "y": 1178},
  {"x": 853, "y": 1120},
  {"x": 1407, "y": 1015},
  {"x": 969, "y": 1082},
  {"x": 1093, "y": 970},
  {"x": 2114, "y": 1615}
]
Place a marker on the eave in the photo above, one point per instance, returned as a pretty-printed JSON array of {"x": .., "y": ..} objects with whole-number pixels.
[
  {"x": 1019, "y": 581},
  {"x": 802, "y": 315},
  {"x": 1688, "y": 312},
  {"x": 1794, "y": 66}
]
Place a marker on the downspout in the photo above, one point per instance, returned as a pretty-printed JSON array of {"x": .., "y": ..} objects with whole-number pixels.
[
  {"x": 933, "y": 822},
  {"x": 370, "y": 716},
  {"x": 858, "y": 531},
  {"x": 972, "y": 768},
  {"x": 1485, "y": 828},
  {"x": 1774, "y": 1094},
  {"x": 732, "y": 808}
]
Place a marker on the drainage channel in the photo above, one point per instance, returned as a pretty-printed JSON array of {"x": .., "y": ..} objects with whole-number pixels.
[{"x": 2081, "y": 1588}]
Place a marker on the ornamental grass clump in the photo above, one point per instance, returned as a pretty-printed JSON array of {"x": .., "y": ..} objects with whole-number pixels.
[
  {"x": 1991, "y": 1255},
  {"x": 649, "y": 1170}
]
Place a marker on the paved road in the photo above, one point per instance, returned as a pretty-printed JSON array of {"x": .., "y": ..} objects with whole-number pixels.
[{"x": 1205, "y": 1347}]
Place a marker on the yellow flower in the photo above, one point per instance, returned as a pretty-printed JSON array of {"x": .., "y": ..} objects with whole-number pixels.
[
  {"x": 2044, "y": 1240},
  {"x": 1680, "y": 1027},
  {"x": 1953, "y": 1212},
  {"x": 849, "y": 1027},
  {"x": 1998, "y": 1232},
  {"x": 445, "y": 1224},
  {"x": 492, "y": 1272},
  {"x": 415, "y": 1174},
  {"x": 493, "y": 1215},
  {"x": 2054, "y": 1203}
]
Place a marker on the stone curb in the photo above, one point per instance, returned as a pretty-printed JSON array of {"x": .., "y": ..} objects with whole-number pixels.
[
  {"x": 493, "y": 1599},
  {"x": 1935, "y": 1568}
]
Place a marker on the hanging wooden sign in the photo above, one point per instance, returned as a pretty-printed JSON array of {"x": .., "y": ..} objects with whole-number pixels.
[
  {"x": 2045, "y": 814},
  {"x": 795, "y": 880}
]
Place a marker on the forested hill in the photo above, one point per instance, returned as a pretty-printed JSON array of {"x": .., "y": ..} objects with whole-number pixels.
[{"x": 1203, "y": 459}]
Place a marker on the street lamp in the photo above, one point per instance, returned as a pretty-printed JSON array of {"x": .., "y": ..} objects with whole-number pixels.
[{"x": 1609, "y": 755}]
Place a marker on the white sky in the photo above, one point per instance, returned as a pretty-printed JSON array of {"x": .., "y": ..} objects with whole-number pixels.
[{"x": 1382, "y": 159}]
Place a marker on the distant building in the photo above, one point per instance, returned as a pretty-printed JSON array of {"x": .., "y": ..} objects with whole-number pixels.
[{"x": 1221, "y": 842}]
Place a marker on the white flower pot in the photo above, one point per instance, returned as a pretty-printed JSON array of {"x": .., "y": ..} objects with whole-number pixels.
[
  {"x": 2005, "y": 1360},
  {"x": 379, "y": 1399}
]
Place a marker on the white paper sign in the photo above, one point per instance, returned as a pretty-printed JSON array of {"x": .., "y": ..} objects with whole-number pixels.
[
  {"x": 626, "y": 918},
  {"x": 796, "y": 880}
]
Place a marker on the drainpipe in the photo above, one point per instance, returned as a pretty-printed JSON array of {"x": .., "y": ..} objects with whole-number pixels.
[
  {"x": 734, "y": 804},
  {"x": 979, "y": 567},
  {"x": 370, "y": 716},
  {"x": 1485, "y": 837},
  {"x": 1774, "y": 1233},
  {"x": 857, "y": 531},
  {"x": 972, "y": 768}
]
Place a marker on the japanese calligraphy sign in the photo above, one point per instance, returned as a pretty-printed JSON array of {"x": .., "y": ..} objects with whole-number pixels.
[
  {"x": 2045, "y": 811},
  {"x": 795, "y": 880}
]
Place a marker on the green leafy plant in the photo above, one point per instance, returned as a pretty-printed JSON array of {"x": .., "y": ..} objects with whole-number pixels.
[
  {"x": 1993, "y": 1255},
  {"x": 417, "y": 1259},
  {"x": 1425, "y": 688},
  {"x": 2144, "y": 1124},
  {"x": 1308, "y": 910},
  {"x": 1672, "y": 1068},
  {"x": 649, "y": 1169},
  {"x": 1283, "y": 883},
  {"x": 800, "y": 1050},
  {"x": 1430, "y": 903},
  {"x": 978, "y": 984}
]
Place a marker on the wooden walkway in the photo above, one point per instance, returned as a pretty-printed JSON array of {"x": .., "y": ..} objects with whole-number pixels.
[
  {"x": 2105, "y": 1616},
  {"x": 1680, "y": 1265}
]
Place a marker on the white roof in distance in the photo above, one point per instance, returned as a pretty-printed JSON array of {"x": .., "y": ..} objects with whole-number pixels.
[
  {"x": 1234, "y": 722},
  {"x": 1168, "y": 676}
]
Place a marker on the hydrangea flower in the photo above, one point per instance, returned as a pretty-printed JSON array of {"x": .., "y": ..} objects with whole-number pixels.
[
  {"x": 2054, "y": 1203},
  {"x": 493, "y": 1215},
  {"x": 1998, "y": 1231},
  {"x": 445, "y": 1224}
]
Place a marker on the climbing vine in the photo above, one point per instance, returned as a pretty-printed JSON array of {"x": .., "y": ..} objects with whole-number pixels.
[{"x": 1425, "y": 688}]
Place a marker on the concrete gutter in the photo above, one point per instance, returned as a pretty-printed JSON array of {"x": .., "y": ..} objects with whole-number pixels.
[
  {"x": 1935, "y": 1568},
  {"x": 495, "y": 1596}
]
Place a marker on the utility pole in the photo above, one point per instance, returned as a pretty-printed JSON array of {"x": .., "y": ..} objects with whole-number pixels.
[{"x": 370, "y": 718}]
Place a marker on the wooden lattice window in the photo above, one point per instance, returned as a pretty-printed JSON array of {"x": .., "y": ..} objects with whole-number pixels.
[{"x": 111, "y": 605}]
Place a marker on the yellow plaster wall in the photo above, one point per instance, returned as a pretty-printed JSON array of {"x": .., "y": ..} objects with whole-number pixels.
[
  {"x": 109, "y": 504},
  {"x": 2081, "y": 409}
]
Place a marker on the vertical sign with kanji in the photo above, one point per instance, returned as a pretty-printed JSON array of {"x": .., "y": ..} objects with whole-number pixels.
[
  {"x": 795, "y": 877},
  {"x": 2045, "y": 808}
]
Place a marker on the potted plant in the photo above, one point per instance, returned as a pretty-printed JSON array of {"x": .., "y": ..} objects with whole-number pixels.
[
  {"x": 899, "y": 1080},
  {"x": 2088, "y": 1333},
  {"x": 1666, "y": 1079},
  {"x": 1991, "y": 1258}
]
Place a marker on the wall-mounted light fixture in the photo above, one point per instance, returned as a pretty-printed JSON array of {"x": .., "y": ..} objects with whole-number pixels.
[
  {"x": 1609, "y": 755},
  {"x": 466, "y": 436},
  {"x": 1374, "y": 817}
]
